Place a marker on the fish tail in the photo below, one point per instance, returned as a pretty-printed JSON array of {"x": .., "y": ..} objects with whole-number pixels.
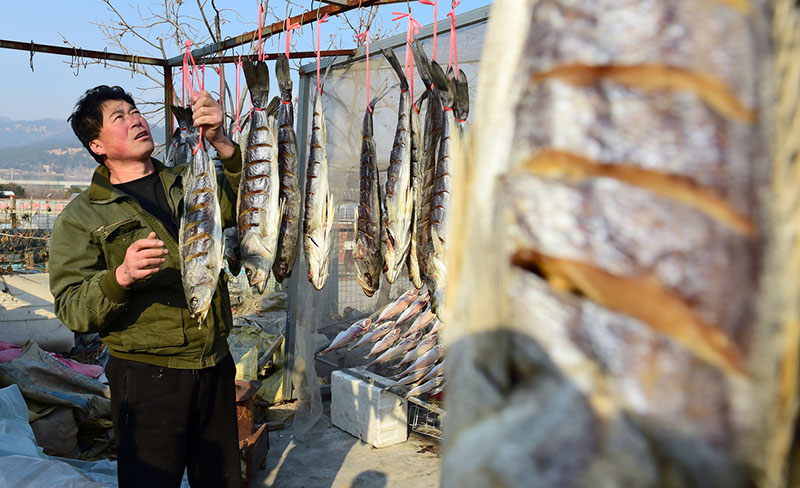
[
  {"x": 257, "y": 77},
  {"x": 392, "y": 58},
  {"x": 443, "y": 85},
  {"x": 283, "y": 74}
]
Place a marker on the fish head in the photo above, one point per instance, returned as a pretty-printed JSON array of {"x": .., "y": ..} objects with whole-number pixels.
[
  {"x": 318, "y": 276},
  {"x": 368, "y": 282},
  {"x": 256, "y": 276},
  {"x": 199, "y": 300}
]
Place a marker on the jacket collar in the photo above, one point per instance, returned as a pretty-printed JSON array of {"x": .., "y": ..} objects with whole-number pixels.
[{"x": 102, "y": 191}]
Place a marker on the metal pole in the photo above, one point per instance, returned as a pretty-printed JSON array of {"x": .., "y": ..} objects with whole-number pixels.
[
  {"x": 167, "y": 105},
  {"x": 79, "y": 52}
]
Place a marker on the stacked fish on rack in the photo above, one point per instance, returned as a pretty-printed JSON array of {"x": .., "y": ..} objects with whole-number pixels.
[
  {"x": 404, "y": 335},
  {"x": 410, "y": 216}
]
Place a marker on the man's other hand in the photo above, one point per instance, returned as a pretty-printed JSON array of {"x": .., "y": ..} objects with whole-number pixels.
[{"x": 142, "y": 259}]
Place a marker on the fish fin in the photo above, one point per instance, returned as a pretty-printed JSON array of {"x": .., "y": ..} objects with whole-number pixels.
[
  {"x": 392, "y": 58},
  {"x": 263, "y": 229},
  {"x": 272, "y": 108},
  {"x": 184, "y": 116},
  {"x": 325, "y": 76},
  {"x": 443, "y": 85},
  {"x": 257, "y": 76},
  {"x": 283, "y": 73},
  {"x": 330, "y": 212},
  {"x": 276, "y": 221},
  {"x": 461, "y": 101},
  {"x": 421, "y": 99},
  {"x": 382, "y": 92},
  {"x": 262, "y": 285}
]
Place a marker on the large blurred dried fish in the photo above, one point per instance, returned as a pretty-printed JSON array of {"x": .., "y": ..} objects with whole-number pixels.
[{"x": 606, "y": 289}]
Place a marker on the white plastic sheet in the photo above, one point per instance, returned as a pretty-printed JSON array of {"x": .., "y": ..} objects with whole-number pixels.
[{"x": 24, "y": 465}]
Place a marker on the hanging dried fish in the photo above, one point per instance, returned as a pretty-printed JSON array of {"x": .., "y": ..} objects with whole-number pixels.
[
  {"x": 398, "y": 197},
  {"x": 290, "y": 184},
  {"x": 369, "y": 216},
  {"x": 259, "y": 206},
  {"x": 319, "y": 206}
]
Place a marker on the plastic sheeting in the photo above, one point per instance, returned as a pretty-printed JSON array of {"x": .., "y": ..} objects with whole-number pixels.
[
  {"x": 45, "y": 380},
  {"x": 24, "y": 465}
]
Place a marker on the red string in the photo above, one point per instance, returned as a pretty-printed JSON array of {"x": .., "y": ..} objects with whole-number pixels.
[
  {"x": 413, "y": 28},
  {"x": 319, "y": 22},
  {"x": 260, "y": 13},
  {"x": 453, "y": 58},
  {"x": 289, "y": 28},
  {"x": 364, "y": 37},
  {"x": 187, "y": 82},
  {"x": 435, "y": 4},
  {"x": 219, "y": 73}
]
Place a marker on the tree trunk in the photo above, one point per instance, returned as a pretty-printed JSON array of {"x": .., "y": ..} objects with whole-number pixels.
[{"x": 623, "y": 268}]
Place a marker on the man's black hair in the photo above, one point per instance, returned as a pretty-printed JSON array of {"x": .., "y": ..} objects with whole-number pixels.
[{"x": 87, "y": 118}]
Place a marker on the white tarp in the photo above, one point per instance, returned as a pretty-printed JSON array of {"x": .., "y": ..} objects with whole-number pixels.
[{"x": 24, "y": 465}]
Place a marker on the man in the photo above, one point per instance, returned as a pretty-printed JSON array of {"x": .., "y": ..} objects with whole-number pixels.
[{"x": 115, "y": 269}]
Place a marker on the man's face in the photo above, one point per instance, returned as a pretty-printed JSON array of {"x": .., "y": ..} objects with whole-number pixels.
[{"x": 125, "y": 135}]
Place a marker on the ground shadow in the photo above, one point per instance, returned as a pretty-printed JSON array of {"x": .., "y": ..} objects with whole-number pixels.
[{"x": 369, "y": 479}]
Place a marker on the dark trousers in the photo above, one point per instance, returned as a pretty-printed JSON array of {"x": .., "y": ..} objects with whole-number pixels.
[{"x": 169, "y": 419}]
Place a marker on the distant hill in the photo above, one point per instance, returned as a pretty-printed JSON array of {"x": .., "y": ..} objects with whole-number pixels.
[
  {"x": 33, "y": 144},
  {"x": 21, "y": 132}
]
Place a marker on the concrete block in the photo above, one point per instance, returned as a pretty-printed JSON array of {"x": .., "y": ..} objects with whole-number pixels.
[{"x": 361, "y": 407}]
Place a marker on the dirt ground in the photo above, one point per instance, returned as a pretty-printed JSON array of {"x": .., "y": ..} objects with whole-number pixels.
[{"x": 336, "y": 459}]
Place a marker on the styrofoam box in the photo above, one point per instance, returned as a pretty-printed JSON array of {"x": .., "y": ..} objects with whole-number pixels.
[{"x": 364, "y": 409}]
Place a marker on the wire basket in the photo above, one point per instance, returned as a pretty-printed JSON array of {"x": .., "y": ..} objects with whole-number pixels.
[{"x": 425, "y": 418}]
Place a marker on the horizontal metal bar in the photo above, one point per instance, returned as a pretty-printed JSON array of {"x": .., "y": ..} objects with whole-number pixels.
[
  {"x": 80, "y": 52},
  {"x": 278, "y": 27},
  {"x": 292, "y": 55}
]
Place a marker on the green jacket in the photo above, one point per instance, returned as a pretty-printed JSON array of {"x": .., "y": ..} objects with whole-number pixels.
[{"x": 149, "y": 322}]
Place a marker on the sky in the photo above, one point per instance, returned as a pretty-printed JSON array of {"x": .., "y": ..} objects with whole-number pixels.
[{"x": 56, "y": 82}]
